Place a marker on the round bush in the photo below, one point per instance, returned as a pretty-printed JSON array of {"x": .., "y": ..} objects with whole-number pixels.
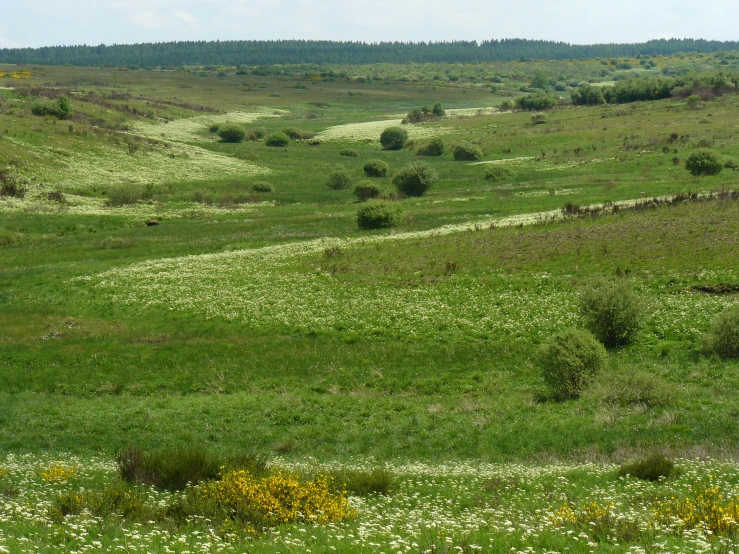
[
  {"x": 376, "y": 168},
  {"x": 277, "y": 140},
  {"x": 725, "y": 333},
  {"x": 612, "y": 311},
  {"x": 349, "y": 152},
  {"x": 704, "y": 162},
  {"x": 366, "y": 190},
  {"x": 339, "y": 180},
  {"x": 262, "y": 187},
  {"x": 231, "y": 133},
  {"x": 433, "y": 148},
  {"x": 569, "y": 361},
  {"x": 415, "y": 179},
  {"x": 467, "y": 152},
  {"x": 539, "y": 119},
  {"x": 379, "y": 214},
  {"x": 393, "y": 138},
  {"x": 497, "y": 174},
  {"x": 214, "y": 128}
]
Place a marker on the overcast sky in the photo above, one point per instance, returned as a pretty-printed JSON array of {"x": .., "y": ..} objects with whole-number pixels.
[{"x": 52, "y": 22}]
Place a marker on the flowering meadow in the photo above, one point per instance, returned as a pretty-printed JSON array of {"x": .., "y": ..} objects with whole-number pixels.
[{"x": 463, "y": 506}]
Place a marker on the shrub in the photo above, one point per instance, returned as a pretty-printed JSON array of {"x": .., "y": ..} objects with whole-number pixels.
[
  {"x": 467, "y": 152},
  {"x": 117, "y": 498},
  {"x": 262, "y": 187},
  {"x": 438, "y": 110},
  {"x": 379, "y": 214},
  {"x": 214, "y": 128},
  {"x": 255, "y": 134},
  {"x": 612, "y": 311},
  {"x": 166, "y": 469},
  {"x": 277, "y": 140},
  {"x": 724, "y": 333},
  {"x": 7, "y": 237},
  {"x": 231, "y": 133},
  {"x": 361, "y": 483},
  {"x": 393, "y": 138},
  {"x": 115, "y": 243},
  {"x": 297, "y": 134},
  {"x": 539, "y": 119},
  {"x": 693, "y": 101},
  {"x": 634, "y": 388},
  {"x": 497, "y": 174},
  {"x": 651, "y": 468},
  {"x": 339, "y": 180},
  {"x": 349, "y": 153},
  {"x": 506, "y": 106},
  {"x": 56, "y": 196},
  {"x": 366, "y": 190},
  {"x": 415, "y": 179},
  {"x": 376, "y": 168},
  {"x": 434, "y": 148},
  {"x": 588, "y": 96},
  {"x": 704, "y": 162},
  {"x": 536, "y": 102},
  {"x": 12, "y": 189},
  {"x": 569, "y": 361},
  {"x": 61, "y": 109}
]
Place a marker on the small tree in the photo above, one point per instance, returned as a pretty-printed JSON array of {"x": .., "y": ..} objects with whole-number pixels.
[
  {"x": 693, "y": 102},
  {"x": 467, "y": 152},
  {"x": 415, "y": 179},
  {"x": 231, "y": 133},
  {"x": 704, "y": 162},
  {"x": 379, "y": 214},
  {"x": 612, "y": 311},
  {"x": 64, "y": 108},
  {"x": 366, "y": 190},
  {"x": 277, "y": 140},
  {"x": 438, "y": 110},
  {"x": 393, "y": 138},
  {"x": 376, "y": 168},
  {"x": 339, "y": 180},
  {"x": 539, "y": 119},
  {"x": 434, "y": 148},
  {"x": 569, "y": 361}
]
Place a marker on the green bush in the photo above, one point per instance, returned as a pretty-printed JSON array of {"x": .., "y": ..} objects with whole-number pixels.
[
  {"x": 393, "y": 138},
  {"x": 339, "y": 180},
  {"x": 569, "y": 361},
  {"x": 349, "y": 153},
  {"x": 704, "y": 162},
  {"x": 434, "y": 148},
  {"x": 415, "y": 179},
  {"x": 258, "y": 133},
  {"x": 693, "y": 101},
  {"x": 61, "y": 109},
  {"x": 588, "y": 95},
  {"x": 724, "y": 333},
  {"x": 297, "y": 134},
  {"x": 214, "y": 128},
  {"x": 277, "y": 140},
  {"x": 366, "y": 190},
  {"x": 124, "y": 195},
  {"x": 376, "y": 168},
  {"x": 7, "y": 237},
  {"x": 539, "y": 119},
  {"x": 467, "y": 152},
  {"x": 496, "y": 174},
  {"x": 612, "y": 311},
  {"x": 231, "y": 133},
  {"x": 651, "y": 468},
  {"x": 379, "y": 214},
  {"x": 262, "y": 187},
  {"x": 536, "y": 102},
  {"x": 438, "y": 110}
]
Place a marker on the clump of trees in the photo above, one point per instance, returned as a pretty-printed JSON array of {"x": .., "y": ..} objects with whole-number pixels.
[
  {"x": 61, "y": 109},
  {"x": 419, "y": 115},
  {"x": 588, "y": 95},
  {"x": 536, "y": 102}
]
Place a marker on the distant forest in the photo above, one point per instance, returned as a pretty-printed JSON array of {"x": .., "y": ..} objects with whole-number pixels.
[{"x": 235, "y": 53}]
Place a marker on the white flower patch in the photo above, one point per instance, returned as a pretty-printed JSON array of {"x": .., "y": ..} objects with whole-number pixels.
[
  {"x": 518, "y": 160},
  {"x": 371, "y": 131},
  {"x": 192, "y": 129}
]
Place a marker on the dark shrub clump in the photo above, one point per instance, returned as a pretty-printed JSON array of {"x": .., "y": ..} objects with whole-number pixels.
[
  {"x": 277, "y": 140},
  {"x": 724, "y": 334},
  {"x": 704, "y": 162},
  {"x": 652, "y": 468},
  {"x": 467, "y": 152},
  {"x": 612, "y": 311},
  {"x": 569, "y": 361},
  {"x": 434, "y": 148},
  {"x": 366, "y": 190},
  {"x": 379, "y": 214},
  {"x": 376, "y": 168},
  {"x": 349, "y": 153},
  {"x": 415, "y": 179},
  {"x": 262, "y": 187},
  {"x": 497, "y": 174},
  {"x": 231, "y": 133},
  {"x": 393, "y": 138},
  {"x": 339, "y": 180}
]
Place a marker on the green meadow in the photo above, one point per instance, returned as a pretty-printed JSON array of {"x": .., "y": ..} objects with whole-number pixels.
[{"x": 151, "y": 296}]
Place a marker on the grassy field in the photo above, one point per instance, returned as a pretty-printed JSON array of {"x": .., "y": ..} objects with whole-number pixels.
[{"x": 269, "y": 322}]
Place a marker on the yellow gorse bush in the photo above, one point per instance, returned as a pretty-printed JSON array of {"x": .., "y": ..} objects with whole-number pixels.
[
  {"x": 281, "y": 497},
  {"x": 706, "y": 509},
  {"x": 58, "y": 473}
]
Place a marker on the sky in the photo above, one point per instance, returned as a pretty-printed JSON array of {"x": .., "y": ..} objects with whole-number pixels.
[{"x": 35, "y": 23}]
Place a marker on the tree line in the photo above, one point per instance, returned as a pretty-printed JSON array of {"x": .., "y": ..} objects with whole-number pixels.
[{"x": 250, "y": 52}]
